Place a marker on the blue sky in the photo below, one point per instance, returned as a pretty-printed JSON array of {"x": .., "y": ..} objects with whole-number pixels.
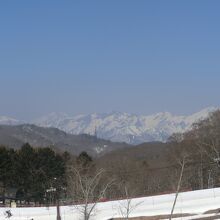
[{"x": 98, "y": 56}]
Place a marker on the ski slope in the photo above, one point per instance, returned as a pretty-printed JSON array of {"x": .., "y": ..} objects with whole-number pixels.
[{"x": 195, "y": 202}]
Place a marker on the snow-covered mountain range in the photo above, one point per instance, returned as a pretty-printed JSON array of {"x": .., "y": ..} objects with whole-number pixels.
[
  {"x": 117, "y": 126},
  {"x": 124, "y": 127}
]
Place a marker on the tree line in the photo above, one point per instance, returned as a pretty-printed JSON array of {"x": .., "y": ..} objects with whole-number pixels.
[{"x": 31, "y": 171}]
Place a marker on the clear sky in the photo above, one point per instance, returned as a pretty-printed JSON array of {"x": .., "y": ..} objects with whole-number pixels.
[{"x": 98, "y": 56}]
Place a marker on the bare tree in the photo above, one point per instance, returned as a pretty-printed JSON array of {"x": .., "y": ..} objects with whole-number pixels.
[
  {"x": 127, "y": 205},
  {"x": 207, "y": 136},
  {"x": 86, "y": 190},
  {"x": 207, "y": 139},
  {"x": 181, "y": 155},
  {"x": 182, "y": 164}
]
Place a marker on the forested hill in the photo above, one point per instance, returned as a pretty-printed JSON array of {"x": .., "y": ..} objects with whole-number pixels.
[{"x": 16, "y": 136}]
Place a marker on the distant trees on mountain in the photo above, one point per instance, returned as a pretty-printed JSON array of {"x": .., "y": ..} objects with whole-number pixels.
[{"x": 202, "y": 145}]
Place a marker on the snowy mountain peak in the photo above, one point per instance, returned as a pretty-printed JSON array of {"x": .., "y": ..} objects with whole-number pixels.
[
  {"x": 120, "y": 126},
  {"x": 4, "y": 120},
  {"x": 55, "y": 117},
  {"x": 203, "y": 113}
]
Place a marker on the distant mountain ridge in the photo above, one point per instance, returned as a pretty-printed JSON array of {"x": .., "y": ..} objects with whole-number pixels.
[
  {"x": 118, "y": 126},
  {"x": 16, "y": 135},
  {"x": 5, "y": 120},
  {"x": 124, "y": 127}
]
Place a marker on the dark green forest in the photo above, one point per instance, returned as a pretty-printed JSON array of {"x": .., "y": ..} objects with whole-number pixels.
[{"x": 31, "y": 171}]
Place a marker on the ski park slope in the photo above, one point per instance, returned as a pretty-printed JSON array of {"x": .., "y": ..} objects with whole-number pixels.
[{"x": 194, "y": 202}]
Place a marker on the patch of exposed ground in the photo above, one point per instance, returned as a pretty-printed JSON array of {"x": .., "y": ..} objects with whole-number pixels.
[
  {"x": 213, "y": 211},
  {"x": 161, "y": 217},
  {"x": 156, "y": 217},
  {"x": 209, "y": 218}
]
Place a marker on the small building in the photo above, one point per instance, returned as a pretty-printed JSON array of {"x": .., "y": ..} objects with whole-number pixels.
[{"x": 7, "y": 195}]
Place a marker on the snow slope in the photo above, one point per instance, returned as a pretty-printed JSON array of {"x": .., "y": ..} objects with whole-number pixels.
[
  {"x": 124, "y": 127},
  {"x": 195, "y": 202}
]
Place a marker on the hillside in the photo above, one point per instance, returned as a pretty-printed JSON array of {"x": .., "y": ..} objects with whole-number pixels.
[
  {"x": 152, "y": 153},
  {"x": 16, "y": 136}
]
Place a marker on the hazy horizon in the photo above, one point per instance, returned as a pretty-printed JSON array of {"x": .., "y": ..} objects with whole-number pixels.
[
  {"x": 138, "y": 57},
  {"x": 31, "y": 120}
]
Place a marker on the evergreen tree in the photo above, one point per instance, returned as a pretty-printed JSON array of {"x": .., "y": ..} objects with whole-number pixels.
[{"x": 84, "y": 160}]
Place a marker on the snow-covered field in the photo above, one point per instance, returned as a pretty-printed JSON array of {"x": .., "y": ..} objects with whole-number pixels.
[{"x": 195, "y": 202}]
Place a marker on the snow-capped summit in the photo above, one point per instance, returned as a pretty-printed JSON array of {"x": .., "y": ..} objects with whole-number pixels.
[
  {"x": 55, "y": 117},
  {"x": 4, "y": 120},
  {"x": 124, "y": 127}
]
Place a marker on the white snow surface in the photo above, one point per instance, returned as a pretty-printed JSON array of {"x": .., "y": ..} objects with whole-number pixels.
[
  {"x": 195, "y": 202},
  {"x": 124, "y": 127}
]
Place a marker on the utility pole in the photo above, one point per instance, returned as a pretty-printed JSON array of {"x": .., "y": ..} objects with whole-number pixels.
[
  {"x": 55, "y": 189},
  {"x": 58, "y": 208}
]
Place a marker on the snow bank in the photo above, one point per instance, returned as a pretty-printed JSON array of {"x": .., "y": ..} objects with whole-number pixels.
[{"x": 196, "y": 202}]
